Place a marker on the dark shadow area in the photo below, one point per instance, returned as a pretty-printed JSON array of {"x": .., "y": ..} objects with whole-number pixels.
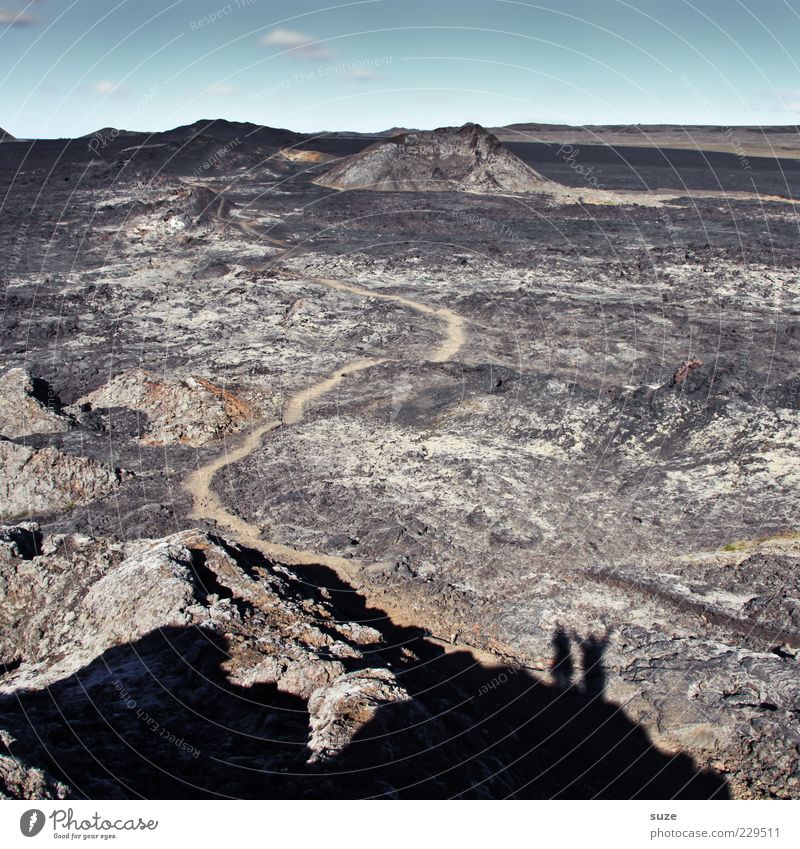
[
  {"x": 10, "y": 666},
  {"x": 119, "y": 421},
  {"x": 594, "y": 675},
  {"x": 44, "y": 393},
  {"x": 501, "y": 731},
  {"x": 562, "y": 667},
  {"x": 27, "y": 540},
  {"x": 160, "y": 719}
]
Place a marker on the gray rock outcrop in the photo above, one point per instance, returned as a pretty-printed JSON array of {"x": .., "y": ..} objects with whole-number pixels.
[
  {"x": 48, "y": 481},
  {"x": 21, "y": 412},
  {"x": 70, "y": 600},
  {"x": 189, "y": 665},
  {"x": 188, "y": 411}
]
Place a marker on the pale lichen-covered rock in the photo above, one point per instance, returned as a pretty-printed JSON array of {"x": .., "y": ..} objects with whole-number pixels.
[
  {"x": 189, "y": 411},
  {"x": 20, "y": 781},
  {"x": 48, "y": 481},
  {"x": 338, "y": 711},
  {"x": 21, "y": 412},
  {"x": 161, "y": 574},
  {"x": 80, "y": 597}
]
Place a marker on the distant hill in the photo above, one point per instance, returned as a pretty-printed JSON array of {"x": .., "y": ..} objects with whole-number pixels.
[
  {"x": 108, "y": 132},
  {"x": 780, "y": 141},
  {"x": 5, "y": 136},
  {"x": 229, "y": 131},
  {"x": 398, "y": 131}
]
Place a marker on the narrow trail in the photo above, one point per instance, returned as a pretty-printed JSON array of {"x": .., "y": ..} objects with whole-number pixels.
[
  {"x": 208, "y": 506},
  {"x": 247, "y": 227},
  {"x": 454, "y": 336},
  {"x": 294, "y": 408}
]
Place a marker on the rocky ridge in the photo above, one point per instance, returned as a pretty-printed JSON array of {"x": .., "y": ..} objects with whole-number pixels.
[
  {"x": 227, "y": 674},
  {"x": 70, "y": 600},
  {"x": 187, "y": 411}
]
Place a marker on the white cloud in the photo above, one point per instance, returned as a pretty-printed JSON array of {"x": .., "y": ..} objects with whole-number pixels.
[
  {"x": 433, "y": 97},
  {"x": 305, "y": 46},
  {"x": 222, "y": 90},
  {"x": 789, "y": 99},
  {"x": 107, "y": 87},
  {"x": 286, "y": 38},
  {"x": 15, "y": 19}
]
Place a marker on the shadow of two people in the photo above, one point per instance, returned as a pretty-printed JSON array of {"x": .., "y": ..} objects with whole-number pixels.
[{"x": 592, "y": 649}]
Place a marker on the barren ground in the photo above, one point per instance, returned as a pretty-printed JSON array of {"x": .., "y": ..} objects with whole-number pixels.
[{"x": 497, "y": 418}]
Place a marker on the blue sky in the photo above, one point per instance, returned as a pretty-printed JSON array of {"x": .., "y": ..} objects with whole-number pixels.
[{"x": 69, "y": 67}]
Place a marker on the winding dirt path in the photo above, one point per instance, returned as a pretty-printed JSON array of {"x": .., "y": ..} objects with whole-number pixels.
[
  {"x": 206, "y": 503},
  {"x": 208, "y": 506},
  {"x": 454, "y": 336}
]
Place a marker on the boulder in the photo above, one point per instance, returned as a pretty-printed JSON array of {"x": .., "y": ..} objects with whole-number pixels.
[{"x": 49, "y": 481}]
